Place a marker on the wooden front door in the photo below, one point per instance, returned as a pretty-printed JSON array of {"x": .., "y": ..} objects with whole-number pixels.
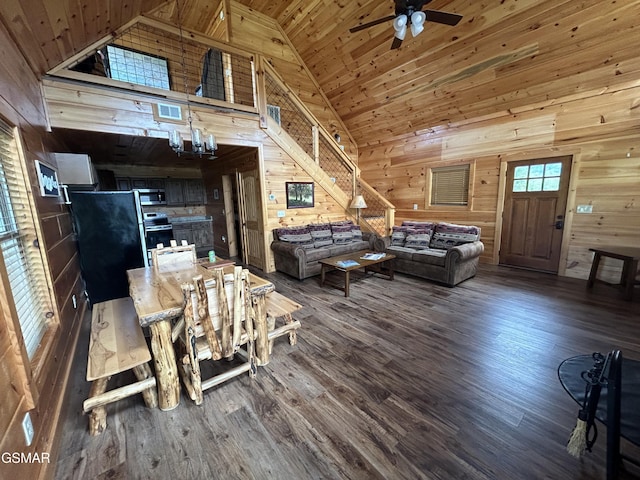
[
  {"x": 251, "y": 218},
  {"x": 533, "y": 218}
]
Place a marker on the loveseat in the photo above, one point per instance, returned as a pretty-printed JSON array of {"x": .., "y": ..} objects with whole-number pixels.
[
  {"x": 442, "y": 252},
  {"x": 298, "y": 250}
]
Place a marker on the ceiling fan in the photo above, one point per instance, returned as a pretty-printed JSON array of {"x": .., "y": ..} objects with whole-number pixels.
[{"x": 409, "y": 12}]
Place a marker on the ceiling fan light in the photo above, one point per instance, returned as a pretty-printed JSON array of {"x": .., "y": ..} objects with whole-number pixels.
[
  {"x": 400, "y": 34},
  {"x": 417, "y": 22},
  {"x": 399, "y": 22}
]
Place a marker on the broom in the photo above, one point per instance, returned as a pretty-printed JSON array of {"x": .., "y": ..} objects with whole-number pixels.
[{"x": 581, "y": 439}]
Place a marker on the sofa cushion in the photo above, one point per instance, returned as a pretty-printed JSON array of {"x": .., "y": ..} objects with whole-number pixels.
[
  {"x": 357, "y": 233},
  {"x": 341, "y": 234},
  {"x": 401, "y": 252},
  {"x": 296, "y": 235},
  {"x": 398, "y": 235},
  {"x": 321, "y": 234},
  {"x": 449, "y": 235},
  {"x": 417, "y": 239},
  {"x": 431, "y": 256}
]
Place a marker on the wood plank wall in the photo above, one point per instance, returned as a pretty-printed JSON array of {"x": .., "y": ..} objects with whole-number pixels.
[
  {"x": 600, "y": 130},
  {"x": 261, "y": 34},
  {"x": 21, "y": 105}
]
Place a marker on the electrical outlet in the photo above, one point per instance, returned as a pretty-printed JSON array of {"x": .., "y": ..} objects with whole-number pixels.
[
  {"x": 27, "y": 428},
  {"x": 282, "y": 214},
  {"x": 584, "y": 209}
]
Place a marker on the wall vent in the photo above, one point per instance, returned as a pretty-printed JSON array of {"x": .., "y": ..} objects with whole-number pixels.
[
  {"x": 274, "y": 112},
  {"x": 171, "y": 112}
]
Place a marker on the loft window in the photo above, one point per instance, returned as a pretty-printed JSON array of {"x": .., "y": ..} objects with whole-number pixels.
[
  {"x": 450, "y": 185},
  {"x": 136, "y": 67}
]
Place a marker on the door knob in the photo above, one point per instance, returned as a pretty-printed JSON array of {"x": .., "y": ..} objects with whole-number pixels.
[{"x": 559, "y": 225}]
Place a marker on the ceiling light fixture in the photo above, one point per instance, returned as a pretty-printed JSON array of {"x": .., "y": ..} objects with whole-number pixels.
[
  {"x": 417, "y": 22},
  {"x": 199, "y": 146},
  {"x": 400, "y": 26}
]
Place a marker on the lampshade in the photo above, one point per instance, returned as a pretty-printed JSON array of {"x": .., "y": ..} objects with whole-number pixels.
[
  {"x": 400, "y": 26},
  {"x": 358, "y": 202},
  {"x": 417, "y": 22}
]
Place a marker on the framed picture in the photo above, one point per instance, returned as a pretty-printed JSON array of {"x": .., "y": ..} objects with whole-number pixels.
[
  {"x": 299, "y": 194},
  {"x": 48, "y": 180}
]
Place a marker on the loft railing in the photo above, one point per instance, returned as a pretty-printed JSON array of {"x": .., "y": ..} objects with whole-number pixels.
[{"x": 152, "y": 57}]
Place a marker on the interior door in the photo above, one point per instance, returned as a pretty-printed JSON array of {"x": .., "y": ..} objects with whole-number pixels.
[
  {"x": 251, "y": 218},
  {"x": 533, "y": 218}
]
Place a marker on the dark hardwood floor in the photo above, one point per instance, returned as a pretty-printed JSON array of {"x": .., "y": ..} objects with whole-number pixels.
[{"x": 402, "y": 380}]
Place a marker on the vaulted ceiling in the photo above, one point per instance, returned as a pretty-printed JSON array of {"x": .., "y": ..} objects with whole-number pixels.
[{"x": 502, "y": 57}]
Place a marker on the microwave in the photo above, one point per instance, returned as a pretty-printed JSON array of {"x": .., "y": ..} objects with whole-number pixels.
[{"x": 152, "y": 196}]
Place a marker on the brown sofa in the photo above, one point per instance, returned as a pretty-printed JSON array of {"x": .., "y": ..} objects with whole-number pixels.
[
  {"x": 442, "y": 252},
  {"x": 298, "y": 250}
]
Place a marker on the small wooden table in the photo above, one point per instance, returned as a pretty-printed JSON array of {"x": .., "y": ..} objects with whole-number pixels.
[
  {"x": 381, "y": 266},
  {"x": 157, "y": 297},
  {"x": 629, "y": 256}
]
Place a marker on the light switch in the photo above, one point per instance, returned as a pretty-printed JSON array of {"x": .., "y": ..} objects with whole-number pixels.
[
  {"x": 415, "y": 206},
  {"x": 584, "y": 209}
]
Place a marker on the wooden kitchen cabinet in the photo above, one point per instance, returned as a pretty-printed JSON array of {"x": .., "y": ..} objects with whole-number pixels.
[
  {"x": 174, "y": 192},
  {"x": 202, "y": 235},
  {"x": 135, "y": 183},
  {"x": 123, "y": 183},
  {"x": 199, "y": 233},
  {"x": 183, "y": 231},
  {"x": 194, "y": 192}
]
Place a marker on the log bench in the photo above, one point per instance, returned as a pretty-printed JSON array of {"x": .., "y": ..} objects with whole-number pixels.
[
  {"x": 279, "y": 306},
  {"x": 116, "y": 345}
]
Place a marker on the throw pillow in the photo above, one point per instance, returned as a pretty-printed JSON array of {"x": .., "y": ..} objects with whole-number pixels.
[
  {"x": 296, "y": 235},
  {"x": 449, "y": 235},
  {"x": 418, "y": 239},
  {"x": 357, "y": 233},
  {"x": 421, "y": 225},
  {"x": 341, "y": 234},
  {"x": 321, "y": 234},
  {"x": 398, "y": 235}
]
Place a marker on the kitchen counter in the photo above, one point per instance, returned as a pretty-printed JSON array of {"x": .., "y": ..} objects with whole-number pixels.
[{"x": 191, "y": 219}]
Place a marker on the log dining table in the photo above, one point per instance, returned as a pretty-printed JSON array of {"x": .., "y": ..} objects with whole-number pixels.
[{"x": 157, "y": 297}]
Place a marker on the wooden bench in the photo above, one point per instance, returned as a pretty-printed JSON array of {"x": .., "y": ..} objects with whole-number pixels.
[
  {"x": 279, "y": 306},
  {"x": 116, "y": 345}
]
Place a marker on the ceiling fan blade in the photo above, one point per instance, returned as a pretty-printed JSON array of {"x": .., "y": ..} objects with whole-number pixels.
[
  {"x": 396, "y": 43},
  {"x": 442, "y": 17},
  {"x": 371, "y": 24}
]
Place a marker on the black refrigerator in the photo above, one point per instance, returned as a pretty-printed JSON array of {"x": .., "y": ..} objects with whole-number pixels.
[{"x": 110, "y": 233}]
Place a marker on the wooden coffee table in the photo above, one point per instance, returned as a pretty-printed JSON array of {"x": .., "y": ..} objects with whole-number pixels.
[{"x": 383, "y": 266}]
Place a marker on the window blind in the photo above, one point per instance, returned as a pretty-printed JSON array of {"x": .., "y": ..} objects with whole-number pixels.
[
  {"x": 22, "y": 257},
  {"x": 450, "y": 185}
]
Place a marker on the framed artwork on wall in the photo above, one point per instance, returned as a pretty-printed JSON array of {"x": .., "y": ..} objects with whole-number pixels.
[
  {"x": 48, "y": 179},
  {"x": 299, "y": 194}
]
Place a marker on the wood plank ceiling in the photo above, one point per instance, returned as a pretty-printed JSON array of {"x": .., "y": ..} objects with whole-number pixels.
[{"x": 502, "y": 56}]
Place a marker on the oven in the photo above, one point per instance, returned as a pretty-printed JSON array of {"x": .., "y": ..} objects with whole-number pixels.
[{"x": 157, "y": 229}]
